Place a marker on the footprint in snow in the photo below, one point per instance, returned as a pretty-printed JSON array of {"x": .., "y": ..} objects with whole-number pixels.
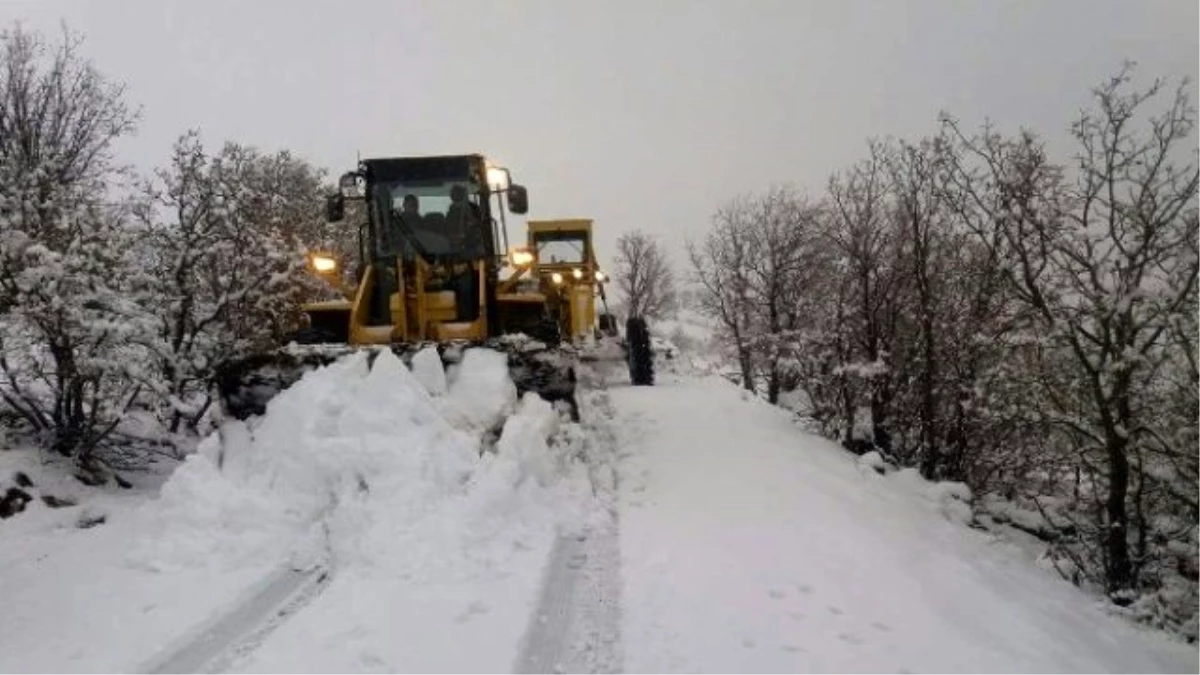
[
  {"x": 796, "y": 616},
  {"x": 373, "y": 662},
  {"x": 748, "y": 643},
  {"x": 792, "y": 649},
  {"x": 879, "y": 626},
  {"x": 474, "y": 609},
  {"x": 804, "y": 588},
  {"x": 776, "y": 594},
  {"x": 851, "y": 638},
  {"x": 835, "y": 611}
]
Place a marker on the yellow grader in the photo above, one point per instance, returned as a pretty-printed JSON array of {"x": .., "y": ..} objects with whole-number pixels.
[{"x": 435, "y": 267}]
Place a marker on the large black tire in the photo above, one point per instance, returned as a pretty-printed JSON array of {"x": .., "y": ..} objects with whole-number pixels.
[
  {"x": 313, "y": 336},
  {"x": 608, "y": 325},
  {"x": 641, "y": 356},
  {"x": 547, "y": 331}
]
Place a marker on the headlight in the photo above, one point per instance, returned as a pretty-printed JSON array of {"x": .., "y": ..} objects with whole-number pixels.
[
  {"x": 600, "y": 276},
  {"x": 577, "y": 273},
  {"x": 521, "y": 257},
  {"x": 497, "y": 177},
  {"x": 324, "y": 263},
  {"x": 556, "y": 278}
]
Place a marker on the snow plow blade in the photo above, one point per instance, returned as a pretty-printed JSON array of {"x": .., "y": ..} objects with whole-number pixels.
[{"x": 245, "y": 386}]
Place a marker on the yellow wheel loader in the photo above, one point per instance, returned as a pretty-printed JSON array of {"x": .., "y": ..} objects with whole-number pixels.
[{"x": 434, "y": 267}]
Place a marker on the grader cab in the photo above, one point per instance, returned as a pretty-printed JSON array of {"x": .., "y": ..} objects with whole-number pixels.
[{"x": 558, "y": 267}]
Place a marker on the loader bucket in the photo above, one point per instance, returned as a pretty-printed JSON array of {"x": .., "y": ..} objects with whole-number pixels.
[{"x": 245, "y": 386}]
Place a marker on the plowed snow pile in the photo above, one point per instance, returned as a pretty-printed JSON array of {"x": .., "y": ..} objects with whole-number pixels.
[{"x": 431, "y": 498}]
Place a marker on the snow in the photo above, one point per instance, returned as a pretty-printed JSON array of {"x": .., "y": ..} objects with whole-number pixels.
[
  {"x": 71, "y": 601},
  {"x": 873, "y": 461},
  {"x": 444, "y": 569},
  {"x": 423, "y": 530},
  {"x": 748, "y": 546},
  {"x": 451, "y": 526},
  {"x": 481, "y": 388},
  {"x": 427, "y": 368}
]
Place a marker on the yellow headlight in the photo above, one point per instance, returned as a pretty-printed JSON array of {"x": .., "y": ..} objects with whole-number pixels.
[
  {"x": 324, "y": 263},
  {"x": 556, "y": 278},
  {"x": 521, "y": 257},
  {"x": 577, "y": 273},
  {"x": 497, "y": 177},
  {"x": 600, "y": 276}
]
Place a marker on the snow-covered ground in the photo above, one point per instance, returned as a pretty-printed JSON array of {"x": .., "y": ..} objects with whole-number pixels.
[
  {"x": 748, "y": 546},
  {"x": 428, "y": 535},
  {"x": 382, "y": 519}
]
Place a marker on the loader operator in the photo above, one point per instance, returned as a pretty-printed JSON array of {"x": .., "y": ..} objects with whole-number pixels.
[
  {"x": 464, "y": 227},
  {"x": 410, "y": 214},
  {"x": 463, "y": 219},
  {"x": 409, "y": 217}
]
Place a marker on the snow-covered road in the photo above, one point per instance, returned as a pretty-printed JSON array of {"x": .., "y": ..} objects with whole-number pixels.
[
  {"x": 371, "y": 523},
  {"x": 748, "y": 546}
]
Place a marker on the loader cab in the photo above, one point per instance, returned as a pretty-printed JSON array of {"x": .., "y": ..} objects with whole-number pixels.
[{"x": 430, "y": 243}]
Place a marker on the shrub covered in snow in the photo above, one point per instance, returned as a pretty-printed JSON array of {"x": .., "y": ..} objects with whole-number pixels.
[
  {"x": 986, "y": 314},
  {"x": 112, "y": 305}
]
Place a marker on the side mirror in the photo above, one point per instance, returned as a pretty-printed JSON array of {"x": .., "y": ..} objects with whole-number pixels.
[
  {"x": 335, "y": 208},
  {"x": 518, "y": 199}
]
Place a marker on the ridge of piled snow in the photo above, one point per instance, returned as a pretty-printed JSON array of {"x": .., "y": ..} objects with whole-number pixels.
[
  {"x": 425, "y": 528},
  {"x": 254, "y": 488},
  {"x": 427, "y": 368},
  {"x": 481, "y": 388},
  {"x": 427, "y": 531},
  {"x": 412, "y": 588}
]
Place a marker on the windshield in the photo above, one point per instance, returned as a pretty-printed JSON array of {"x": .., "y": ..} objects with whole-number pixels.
[
  {"x": 560, "y": 248},
  {"x": 436, "y": 219}
]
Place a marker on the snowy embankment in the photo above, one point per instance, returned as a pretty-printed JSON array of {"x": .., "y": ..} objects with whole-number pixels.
[
  {"x": 749, "y": 546},
  {"x": 430, "y": 532}
]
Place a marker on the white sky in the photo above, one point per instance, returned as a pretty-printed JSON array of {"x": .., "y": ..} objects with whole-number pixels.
[{"x": 637, "y": 114}]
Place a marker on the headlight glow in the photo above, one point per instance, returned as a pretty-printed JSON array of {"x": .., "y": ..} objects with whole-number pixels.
[
  {"x": 324, "y": 263},
  {"x": 577, "y": 273},
  {"x": 556, "y": 278},
  {"x": 497, "y": 178},
  {"x": 521, "y": 257},
  {"x": 600, "y": 276}
]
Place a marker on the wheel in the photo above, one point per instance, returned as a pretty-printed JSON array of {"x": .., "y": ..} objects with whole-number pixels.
[
  {"x": 641, "y": 356},
  {"x": 608, "y": 325},
  {"x": 312, "y": 336},
  {"x": 547, "y": 331}
]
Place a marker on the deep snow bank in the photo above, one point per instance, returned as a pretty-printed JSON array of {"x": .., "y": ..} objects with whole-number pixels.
[
  {"x": 352, "y": 458},
  {"x": 433, "y": 526}
]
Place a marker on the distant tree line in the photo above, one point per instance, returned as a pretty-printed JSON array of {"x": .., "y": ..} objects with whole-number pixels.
[
  {"x": 967, "y": 305},
  {"x": 120, "y": 294}
]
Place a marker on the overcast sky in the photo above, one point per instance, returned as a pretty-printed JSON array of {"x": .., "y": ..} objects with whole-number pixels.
[{"x": 637, "y": 114}]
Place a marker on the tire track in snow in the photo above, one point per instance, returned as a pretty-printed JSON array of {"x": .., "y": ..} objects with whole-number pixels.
[
  {"x": 219, "y": 643},
  {"x": 575, "y": 626}
]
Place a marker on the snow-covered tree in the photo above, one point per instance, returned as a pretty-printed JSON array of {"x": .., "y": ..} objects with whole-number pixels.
[
  {"x": 753, "y": 269},
  {"x": 1104, "y": 259},
  {"x": 225, "y": 237},
  {"x": 644, "y": 275},
  {"x": 721, "y": 263},
  {"x": 69, "y": 361}
]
